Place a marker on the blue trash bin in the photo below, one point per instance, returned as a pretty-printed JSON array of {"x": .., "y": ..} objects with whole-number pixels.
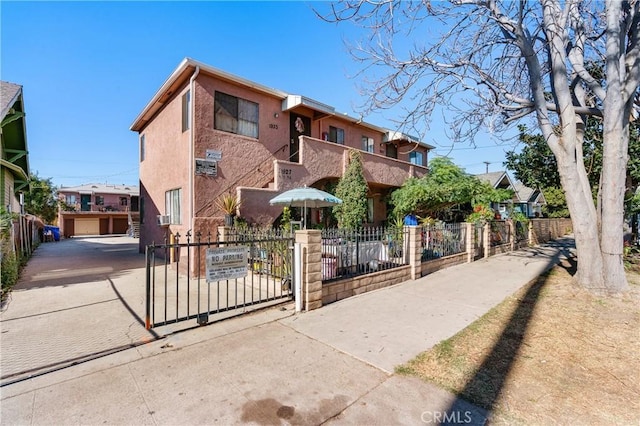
[{"x": 54, "y": 230}]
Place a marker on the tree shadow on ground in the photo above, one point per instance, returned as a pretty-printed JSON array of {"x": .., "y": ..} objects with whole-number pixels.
[{"x": 488, "y": 381}]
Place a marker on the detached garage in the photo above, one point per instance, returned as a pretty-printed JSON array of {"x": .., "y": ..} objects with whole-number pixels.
[
  {"x": 98, "y": 209},
  {"x": 87, "y": 226},
  {"x": 78, "y": 224}
]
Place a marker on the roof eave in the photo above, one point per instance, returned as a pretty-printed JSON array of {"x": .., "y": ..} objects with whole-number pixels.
[
  {"x": 187, "y": 63},
  {"x": 15, "y": 168}
]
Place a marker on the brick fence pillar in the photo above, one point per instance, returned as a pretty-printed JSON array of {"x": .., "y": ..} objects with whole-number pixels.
[
  {"x": 512, "y": 234},
  {"x": 223, "y": 233},
  {"x": 415, "y": 251},
  {"x": 487, "y": 240},
  {"x": 311, "y": 244},
  {"x": 470, "y": 243}
]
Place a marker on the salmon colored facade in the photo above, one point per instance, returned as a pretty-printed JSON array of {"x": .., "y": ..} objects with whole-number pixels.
[
  {"x": 207, "y": 133},
  {"x": 98, "y": 209}
]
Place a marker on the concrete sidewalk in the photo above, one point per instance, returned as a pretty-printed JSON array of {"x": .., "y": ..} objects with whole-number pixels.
[{"x": 272, "y": 367}]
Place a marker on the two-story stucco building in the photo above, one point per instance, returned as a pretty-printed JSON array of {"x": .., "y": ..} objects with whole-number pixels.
[
  {"x": 206, "y": 133},
  {"x": 98, "y": 209}
]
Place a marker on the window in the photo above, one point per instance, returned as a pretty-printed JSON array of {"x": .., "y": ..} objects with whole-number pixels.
[
  {"x": 367, "y": 144},
  {"x": 416, "y": 157},
  {"x": 70, "y": 199},
  {"x": 336, "y": 135},
  {"x": 235, "y": 115},
  {"x": 99, "y": 200},
  {"x": 172, "y": 206},
  {"x": 392, "y": 151},
  {"x": 123, "y": 201},
  {"x": 141, "y": 148},
  {"x": 186, "y": 111},
  {"x": 370, "y": 210}
]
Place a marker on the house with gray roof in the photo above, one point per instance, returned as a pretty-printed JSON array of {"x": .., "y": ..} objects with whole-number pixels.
[{"x": 528, "y": 201}]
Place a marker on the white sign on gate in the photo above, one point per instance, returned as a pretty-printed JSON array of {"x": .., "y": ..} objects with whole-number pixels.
[{"x": 226, "y": 263}]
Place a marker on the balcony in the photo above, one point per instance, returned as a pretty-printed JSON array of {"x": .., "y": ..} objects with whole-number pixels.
[
  {"x": 327, "y": 160},
  {"x": 321, "y": 160},
  {"x": 92, "y": 208}
]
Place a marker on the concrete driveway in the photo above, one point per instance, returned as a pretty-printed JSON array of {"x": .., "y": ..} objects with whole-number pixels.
[{"x": 77, "y": 299}]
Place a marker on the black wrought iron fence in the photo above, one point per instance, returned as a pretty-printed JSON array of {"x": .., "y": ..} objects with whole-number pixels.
[
  {"x": 500, "y": 233},
  {"x": 443, "y": 239},
  {"x": 199, "y": 278},
  {"x": 478, "y": 240},
  {"x": 522, "y": 231},
  {"x": 347, "y": 253},
  {"x": 269, "y": 250}
]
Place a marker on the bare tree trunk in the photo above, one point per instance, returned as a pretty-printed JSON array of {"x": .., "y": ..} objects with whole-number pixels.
[
  {"x": 614, "y": 162},
  {"x": 590, "y": 269},
  {"x": 614, "y": 155}
]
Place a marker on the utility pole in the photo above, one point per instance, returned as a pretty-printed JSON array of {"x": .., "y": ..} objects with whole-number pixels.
[{"x": 487, "y": 166}]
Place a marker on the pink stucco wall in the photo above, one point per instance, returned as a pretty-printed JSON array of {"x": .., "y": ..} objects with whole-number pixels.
[
  {"x": 256, "y": 169},
  {"x": 325, "y": 161},
  {"x": 165, "y": 167},
  {"x": 245, "y": 161}
]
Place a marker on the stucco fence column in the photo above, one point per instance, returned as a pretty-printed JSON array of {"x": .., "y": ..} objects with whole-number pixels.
[
  {"x": 311, "y": 245},
  {"x": 415, "y": 251},
  {"x": 512, "y": 234},
  {"x": 223, "y": 233},
  {"x": 470, "y": 243},
  {"x": 487, "y": 240}
]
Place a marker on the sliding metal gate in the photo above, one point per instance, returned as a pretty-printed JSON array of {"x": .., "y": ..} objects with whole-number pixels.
[{"x": 179, "y": 289}]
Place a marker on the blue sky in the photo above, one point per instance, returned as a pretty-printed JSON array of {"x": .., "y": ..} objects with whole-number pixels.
[{"x": 88, "y": 69}]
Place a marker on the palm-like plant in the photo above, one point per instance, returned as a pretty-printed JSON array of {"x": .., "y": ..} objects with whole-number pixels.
[{"x": 228, "y": 203}]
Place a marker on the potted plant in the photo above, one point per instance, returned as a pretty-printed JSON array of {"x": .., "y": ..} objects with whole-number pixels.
[{"x": 229, "y": 204}]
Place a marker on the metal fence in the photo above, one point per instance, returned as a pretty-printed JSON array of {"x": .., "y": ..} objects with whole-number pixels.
[
  {"x": 443, "y": 239},
  {"x": 478, "y": 240},
  {"x": 522, "y": 231},
  {"x": 347, "y": 253},
  {"x": 179, "y": 289},
  {"x": 500, "y": 233}
]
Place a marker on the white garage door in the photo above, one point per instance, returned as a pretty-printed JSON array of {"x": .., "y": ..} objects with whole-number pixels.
[{"x": 87, "y": 227}]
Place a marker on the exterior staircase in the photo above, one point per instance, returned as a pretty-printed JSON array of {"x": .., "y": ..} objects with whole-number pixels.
[{"x": 134, "y": 225}]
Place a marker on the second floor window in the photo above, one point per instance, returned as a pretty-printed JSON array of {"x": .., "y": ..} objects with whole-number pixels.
[
  {"x": 99, "y": 200},
  {"x": 186, "y": 111},
  {"x": 172, "y": 205},
  {"x": 142, "y": 148},
  {"x": 123, "y": 201},
  {"x": 235, "y": 115},
  {"x": 336, "y": 135},
  {"x": 367, "y": 144},
  {"x": 70, "y": 200},
  {"x": 416, "y": 158}
]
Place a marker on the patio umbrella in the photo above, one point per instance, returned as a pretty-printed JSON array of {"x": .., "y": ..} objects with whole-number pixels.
[{"x": 305, "y": 197}]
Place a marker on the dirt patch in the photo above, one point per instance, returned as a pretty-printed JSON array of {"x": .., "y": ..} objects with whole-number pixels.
[{"x": 550, "y": 353}]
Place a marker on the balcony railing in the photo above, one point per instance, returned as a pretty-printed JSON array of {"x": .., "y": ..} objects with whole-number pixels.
[{"x": 93, "y": 208}]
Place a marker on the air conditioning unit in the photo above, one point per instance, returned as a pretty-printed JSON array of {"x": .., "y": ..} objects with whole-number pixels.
[{"x": 164, "y": 220}]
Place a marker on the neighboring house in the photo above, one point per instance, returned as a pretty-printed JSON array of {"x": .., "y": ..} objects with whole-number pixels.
[
  {"x": 98, "y": 209},
  {"x": 14, "y": 164},
  {"x": 206, "y": 133},
  {"x": 530, "y": 200},
  {"x": 525, "y": 200},
  {"x": 14, "y": 169}
]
